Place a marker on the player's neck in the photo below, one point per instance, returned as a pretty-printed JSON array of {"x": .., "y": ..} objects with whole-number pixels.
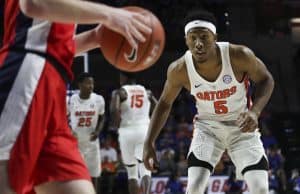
[{"x": 84, "y": 96}]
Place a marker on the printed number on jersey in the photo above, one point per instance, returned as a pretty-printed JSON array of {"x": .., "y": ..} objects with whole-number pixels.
[
  {"x": 220, "y": 107},
  {"x": 137, "y": 101},
  {"x": 85, "y": 122}
]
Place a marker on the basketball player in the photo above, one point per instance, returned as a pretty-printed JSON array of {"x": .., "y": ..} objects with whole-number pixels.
[
  {"x": 217, "y": 74},
  {"x": 86, "y": 113},
  {"x": 37, "y": 149},
  {"x": 130, "y": 109}
]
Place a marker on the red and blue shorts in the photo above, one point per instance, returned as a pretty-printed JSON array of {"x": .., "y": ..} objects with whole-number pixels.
[{"x": 34, "y": 134}]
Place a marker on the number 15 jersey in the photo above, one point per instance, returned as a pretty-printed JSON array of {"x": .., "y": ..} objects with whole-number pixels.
[
  {"x": 220, "y": 100},
  {"x": 135, "y": 109}
]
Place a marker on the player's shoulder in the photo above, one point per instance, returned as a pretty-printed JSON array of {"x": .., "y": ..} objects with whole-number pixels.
[
  {"x": 97, "y": 97},
  {"x": 177, "y": 66},
  {"x": 239, "y": 51},
  {"x": 177, "y": 71},
  {"x": 74, "y": 96}
]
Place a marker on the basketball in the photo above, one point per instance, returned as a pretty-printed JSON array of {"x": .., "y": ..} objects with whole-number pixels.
[{"x": 119, "y": 53}]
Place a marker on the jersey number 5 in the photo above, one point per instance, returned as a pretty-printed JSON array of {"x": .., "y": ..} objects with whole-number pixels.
[
  {"x": 85, "y": 122},
  {"x": 220, "y": 107},
  {"x": 137, "y": 101}
]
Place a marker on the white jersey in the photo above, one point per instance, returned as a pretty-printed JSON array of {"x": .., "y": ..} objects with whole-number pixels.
[
  {"x": 84, "y": 114},
  {"x": 223, "y": 99},
  {"x": 135, "y": 109}
]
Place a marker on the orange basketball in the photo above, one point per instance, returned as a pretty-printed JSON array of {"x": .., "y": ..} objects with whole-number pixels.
[{"x": 120, "y": 54}]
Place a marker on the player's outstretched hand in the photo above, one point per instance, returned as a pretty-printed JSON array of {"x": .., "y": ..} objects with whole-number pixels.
[
  {"x": 247, "y": 121},
  {"x": 131, "y": 25},
  {"x": 93, "y": 136},
  {"x": 149, "y": 157}
]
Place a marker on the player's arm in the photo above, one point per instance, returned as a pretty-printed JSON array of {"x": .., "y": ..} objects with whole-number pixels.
[
  {"x": 100, "y": 121},
  {"x": 68, "y": 104},
  {"x": 160, "y": 114},
  {"x": 99, "y": 127},
  {"x": 259, "y": 74},
  {"x": 130, "y": 25},
  {"x": 153, "y": 101},
  {"x": 87, "y": 40},
  {"x": 114, "y": 108}
]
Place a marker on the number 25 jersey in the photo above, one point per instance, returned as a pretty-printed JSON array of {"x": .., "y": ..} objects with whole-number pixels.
[
  {"x": 84, "y": 114},
  {"x": 220, "y": 100}
]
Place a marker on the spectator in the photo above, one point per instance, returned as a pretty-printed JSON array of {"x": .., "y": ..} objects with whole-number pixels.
[
  {"x": 167, "y": 165},
  {"x": 233, "y": 186},
  {"x": 295, "y": 181},
  {"x": 273, "y": 183},
  {"x": 109, "y": 165},
  {"x": 267, "y": 137},
  {"x": 182, "y": 165},
  {"x": 276, "y": 162},
  {"x": 108, "y": 175},
  {"x": 108, "y": 151},
  {"x": 174, "y": 185}
]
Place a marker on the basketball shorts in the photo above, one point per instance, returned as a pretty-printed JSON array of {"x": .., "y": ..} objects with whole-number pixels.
[
  {"x": 131, "y": 141},
  {"x": 90, "y": 152},
  {"x": 212, "y": 138},
  {"x": 34, "y": 133}
]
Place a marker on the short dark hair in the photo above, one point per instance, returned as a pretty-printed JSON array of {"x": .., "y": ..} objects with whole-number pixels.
[
  {"x": 82, "y": 76},
  {"x": 200, "y": 14}
]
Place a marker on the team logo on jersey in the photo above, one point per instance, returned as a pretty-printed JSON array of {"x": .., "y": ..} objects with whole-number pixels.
[
  {"x": 227, "y": 79},
  {"x": 197, "y": 85}
]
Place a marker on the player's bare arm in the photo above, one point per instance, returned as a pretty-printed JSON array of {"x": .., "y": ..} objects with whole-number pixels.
[
  {"x": 114, "y": 110},
  {"x": 99, "y": 127},
  {"x": 246, "y": 63},
  {"x": 117, "y": 97},
  {"x": 88, "y": 40},
  {"x": 153, "y": 101},
  {"x": 172, "y": 87},
  {"x": 130, "y": 25}
]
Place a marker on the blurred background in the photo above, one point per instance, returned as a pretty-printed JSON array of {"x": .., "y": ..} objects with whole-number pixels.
[{"x": 271, "y": 28}]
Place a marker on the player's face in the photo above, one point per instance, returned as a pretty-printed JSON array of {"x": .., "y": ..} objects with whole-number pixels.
[
  {"x": 87, "y": 86},
  {"x": 200, "y": 42}
]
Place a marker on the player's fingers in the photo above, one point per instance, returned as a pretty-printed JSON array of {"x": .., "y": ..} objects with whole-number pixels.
[
  {"x": 244, "y": 126},
  {"x": 143, "y": 23},
  {"x": 153, "y": 166},
  {"x": 249, "y": 126},
  {"x": 146, "y": 163},
  {"x": 155, "y": 163},
  {"x": 138, "y": 35},
  {"x": 252, "y": 127},
  {"x": 241, "y": 119},
  {"x": 241, "y": 122},
  {"x": 130, "y": 39}
]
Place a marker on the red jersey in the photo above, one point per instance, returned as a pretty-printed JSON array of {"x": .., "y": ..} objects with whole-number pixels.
[{"x": 28, "y": 34}]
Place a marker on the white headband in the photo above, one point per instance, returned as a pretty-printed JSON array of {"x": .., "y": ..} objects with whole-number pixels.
[{"x": 201, "y": 24}]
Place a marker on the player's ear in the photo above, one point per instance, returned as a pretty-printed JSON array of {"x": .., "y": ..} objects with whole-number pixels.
[
  {"x": 216, "y": 37},
  {"x": 186, "y": 43},
  {"x": 79, "y": 85}
]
